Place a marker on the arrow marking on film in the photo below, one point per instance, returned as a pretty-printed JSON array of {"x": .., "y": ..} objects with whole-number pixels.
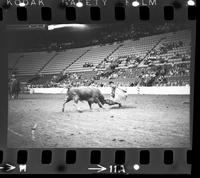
[
  {"x": 98, "y": 169},
  {"x": 8, "y": 167}
]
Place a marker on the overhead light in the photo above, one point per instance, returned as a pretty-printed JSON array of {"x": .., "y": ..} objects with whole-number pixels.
[
  {"x": 22, "y": 4},
  {"x": 79, "y": 4},
  {"x": 79, "y": 26},
  {"x": 191, "y": 3},
  {"x": 135, "y": 3}
]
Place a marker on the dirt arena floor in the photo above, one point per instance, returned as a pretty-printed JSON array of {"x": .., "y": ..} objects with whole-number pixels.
[{"x": 143, "y": 121}]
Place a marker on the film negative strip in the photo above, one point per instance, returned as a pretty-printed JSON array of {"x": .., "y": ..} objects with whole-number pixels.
[{"x": 97, "y": 86}]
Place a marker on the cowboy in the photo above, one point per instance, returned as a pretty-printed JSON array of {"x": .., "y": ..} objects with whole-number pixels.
[{"x": 113, "y": 89}]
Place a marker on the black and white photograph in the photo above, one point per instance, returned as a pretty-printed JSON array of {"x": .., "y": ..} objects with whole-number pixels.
[{"x": 115, "y": 85}]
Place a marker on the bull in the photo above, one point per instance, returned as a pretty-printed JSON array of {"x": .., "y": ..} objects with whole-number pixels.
[{"x": 89, "y": 94}]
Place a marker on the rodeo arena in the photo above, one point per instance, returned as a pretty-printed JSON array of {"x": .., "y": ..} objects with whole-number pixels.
[{"x": 103, "y": 86}]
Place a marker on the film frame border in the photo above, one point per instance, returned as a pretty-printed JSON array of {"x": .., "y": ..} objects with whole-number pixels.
[
  {"x": 112, "y": 160},
  {"x": 12, "y": 156},
  {"x": 119, "y": 12}
]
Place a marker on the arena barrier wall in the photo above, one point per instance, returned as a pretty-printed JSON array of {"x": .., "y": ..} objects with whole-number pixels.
[{"x": 168, "y": 90}]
